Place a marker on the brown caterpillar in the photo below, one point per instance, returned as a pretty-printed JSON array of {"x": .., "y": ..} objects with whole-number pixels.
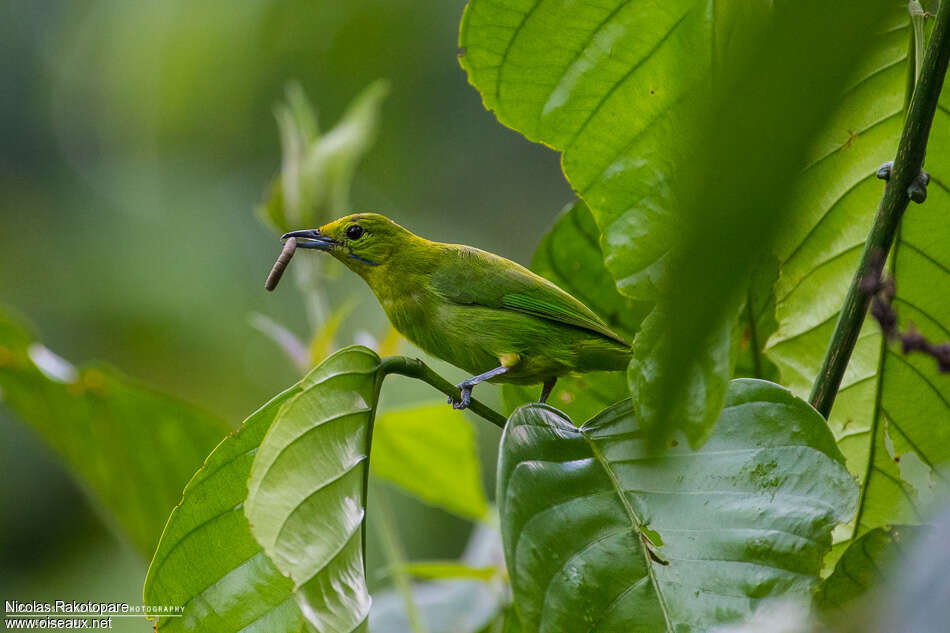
[{"x": 281, "y": 264}]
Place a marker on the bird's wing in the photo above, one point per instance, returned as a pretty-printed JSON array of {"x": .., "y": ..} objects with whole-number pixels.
[{"x": 474, "y": 277}]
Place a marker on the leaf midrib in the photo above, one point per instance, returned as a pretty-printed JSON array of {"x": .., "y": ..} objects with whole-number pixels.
[{"x": 636, "y": 525}]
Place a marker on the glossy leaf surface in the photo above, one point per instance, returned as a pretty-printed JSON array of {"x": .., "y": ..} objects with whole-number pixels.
[
  {"x": 307, "y": 490},
  {"x": 601, "y": 536},
  {"x": 207, "y": 561}
]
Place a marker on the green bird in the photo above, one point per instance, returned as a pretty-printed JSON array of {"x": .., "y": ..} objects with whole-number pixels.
[{"x": 474, "y": 309}]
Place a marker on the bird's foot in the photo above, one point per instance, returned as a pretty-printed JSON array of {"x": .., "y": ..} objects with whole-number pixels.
[
  {"x": 466, "y": 396},
  {"x": 917, "y": 191}
]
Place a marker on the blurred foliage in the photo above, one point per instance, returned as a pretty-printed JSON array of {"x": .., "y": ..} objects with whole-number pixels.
[
  {"x": 137, "y": 141},
  {"x": 139, "y": 145},
  {"x": 452, "y": 603},
  {"x": 772, "y": 93},
  {"x": 132, "y": 449},
  {"x": 317, "y": 169},
  {"x": 861, "y": 568},
  {"x": 429, "y": 451}
]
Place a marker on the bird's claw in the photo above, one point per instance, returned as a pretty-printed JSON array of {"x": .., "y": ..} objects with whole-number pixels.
[
  {"x": 466, "y": 397},
  {"x": 917, "y": 191}
]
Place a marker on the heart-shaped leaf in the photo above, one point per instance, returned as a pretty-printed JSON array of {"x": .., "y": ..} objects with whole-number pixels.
[
  {"x": 602, "y": 535},
  {"x": 307, "y": 490}
]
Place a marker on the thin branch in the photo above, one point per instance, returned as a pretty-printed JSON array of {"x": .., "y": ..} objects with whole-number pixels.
[
  {"x": 904, "y": 184},
  {"x": 415, "y": 368},
  {"x": 883, "y": 290}
]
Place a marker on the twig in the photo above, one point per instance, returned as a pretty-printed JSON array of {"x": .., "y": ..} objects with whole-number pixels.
[
  {"x": 415, "y": 368},
  {"x": 904, "y": 182},
  {"x": 883, "y": 290}
]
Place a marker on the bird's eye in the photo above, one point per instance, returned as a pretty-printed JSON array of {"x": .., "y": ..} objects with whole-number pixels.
[{"x": 354, "y": 232}]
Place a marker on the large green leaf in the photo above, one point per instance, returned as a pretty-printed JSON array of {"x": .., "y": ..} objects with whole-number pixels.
[
  {"x": 892, "y": 414},
  {"x": 307, "y": 490},
  {"x": 570, "y": 256},
  {"x": 672, "y": 171},
  {"x": 429, "y": 450},
  {"x": 597, "y": 81},
  {"x": 208, "y": 562},
  {"x": 131, "y": 448},
  {"x": 601, "y": 535}
]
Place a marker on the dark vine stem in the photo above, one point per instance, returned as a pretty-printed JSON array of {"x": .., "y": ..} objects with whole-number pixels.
[
  {"x": 415, "y": 368},
  {"x": 904, "y": 182}
]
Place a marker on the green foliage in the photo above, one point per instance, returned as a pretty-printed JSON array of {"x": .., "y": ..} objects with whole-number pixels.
[
  {"x": 461, "y": 598},
  {"x": 317, "y": 170},
  {"x": 706, "y": 379},
  {"x": 432, "y": 569},
  {"x": 700, "y": 139},
  {"x": 891, "y": 416},
  {"x": 207, "y": 560},
  {"x": 607, "y": 112},
  {"x": 600, "y": 534},
  {"x": 307, "y": 490},
  {"x": 862, "y": 566},
  {"x": 429, "y": 450},
  {"x": 628, "y": 122},
  {"x": 131, "y": 448},
  {"x": 570, "y": 256}
]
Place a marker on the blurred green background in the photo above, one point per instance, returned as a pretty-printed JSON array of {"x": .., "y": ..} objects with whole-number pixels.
[{"x": 137, "y": 138}]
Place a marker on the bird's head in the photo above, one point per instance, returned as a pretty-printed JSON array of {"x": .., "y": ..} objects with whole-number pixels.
[{"x": 362, "y": 241}]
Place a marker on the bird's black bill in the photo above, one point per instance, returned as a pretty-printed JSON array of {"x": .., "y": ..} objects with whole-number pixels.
[{"x": 311, "y": 238}]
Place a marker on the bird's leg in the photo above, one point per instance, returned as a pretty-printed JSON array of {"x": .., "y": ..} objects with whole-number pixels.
[
  {"x": 466, "y": 386},
  {"x": 546, "y": 389}
]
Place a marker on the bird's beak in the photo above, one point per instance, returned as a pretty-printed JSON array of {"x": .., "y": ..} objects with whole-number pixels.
[{"x": 311, "y": 238}]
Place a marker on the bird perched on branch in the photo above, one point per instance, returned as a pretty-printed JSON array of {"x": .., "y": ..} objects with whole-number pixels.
[{"x": 476, "y": 310}]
